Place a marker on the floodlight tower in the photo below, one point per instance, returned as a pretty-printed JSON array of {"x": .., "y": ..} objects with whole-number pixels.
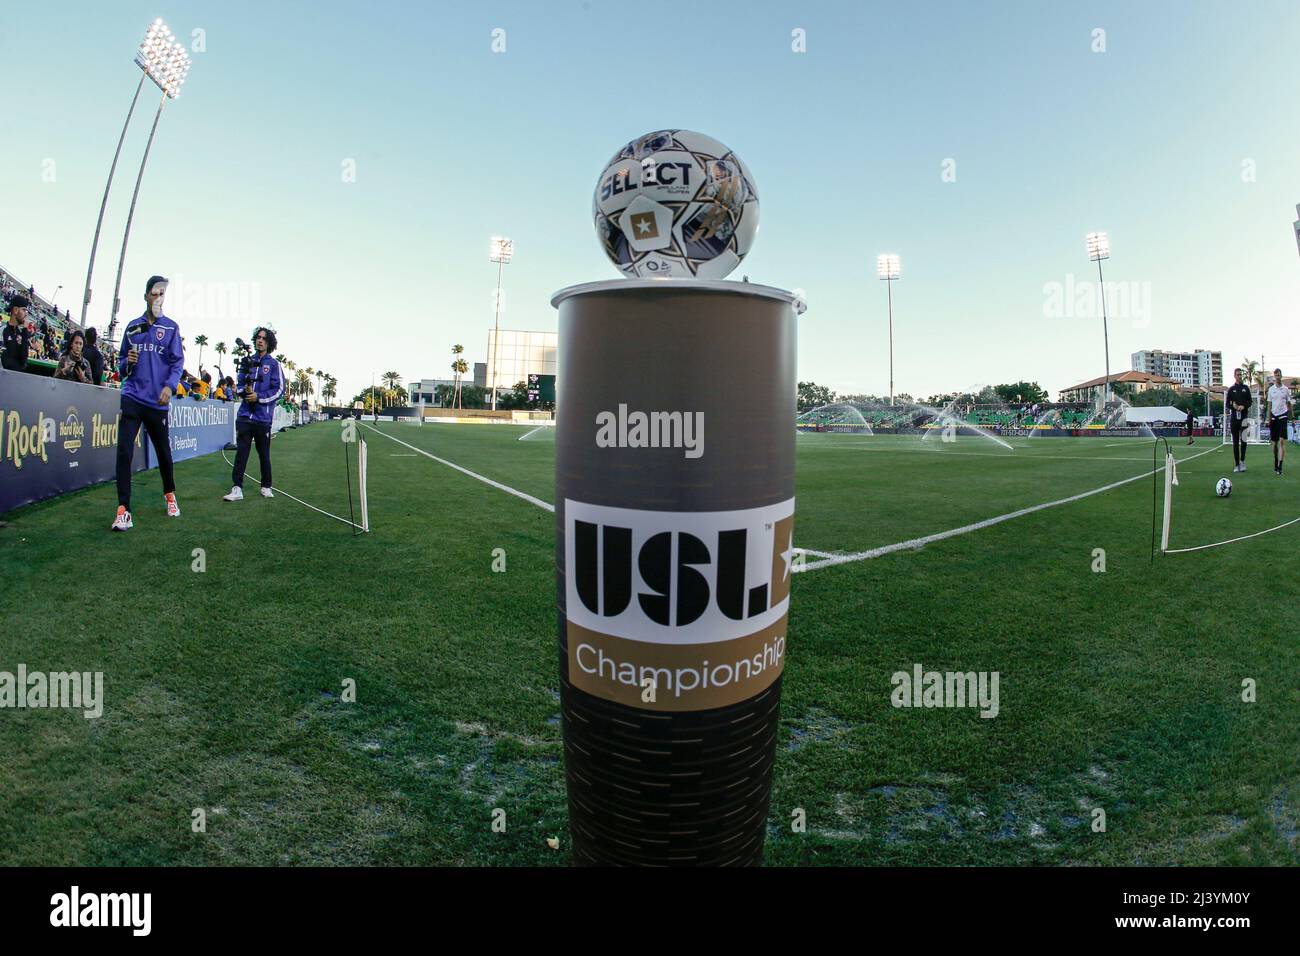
[
  {"x": 1099, "y": 249},
  {"x": 888, "y": 269},
  {"x": 166, "y": 63},
  {"x": 501, "y": 251}
]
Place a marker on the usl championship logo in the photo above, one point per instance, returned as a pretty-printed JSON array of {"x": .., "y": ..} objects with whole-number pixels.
[{"x": 674, "y": 611}]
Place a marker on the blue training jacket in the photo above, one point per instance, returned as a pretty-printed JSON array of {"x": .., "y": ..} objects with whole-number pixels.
[
  {"x": 161, "y": 359},
  {"x": 268, "y": 383}
]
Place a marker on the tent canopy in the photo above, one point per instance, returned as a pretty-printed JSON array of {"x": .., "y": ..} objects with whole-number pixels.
[{"x": 1154, "y": 413}]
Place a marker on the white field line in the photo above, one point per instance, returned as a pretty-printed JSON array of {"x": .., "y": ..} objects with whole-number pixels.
[
  {"x": 544, "y": 505},
  {"x": 979, "y": 525},
  {"x": 281, "y": 491},
  {"x": 1232, "y": 540},
  {"x": 991, "y": 454}
]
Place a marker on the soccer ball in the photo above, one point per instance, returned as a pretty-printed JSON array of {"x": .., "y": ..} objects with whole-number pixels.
[
  {"x": 675, "y": 204},
  {"x": 1223, "y": 488}
]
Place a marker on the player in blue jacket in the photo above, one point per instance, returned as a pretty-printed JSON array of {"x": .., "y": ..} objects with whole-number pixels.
[
  {"x": 149, "y": 362},
  {"x": 261, "y": 385}
]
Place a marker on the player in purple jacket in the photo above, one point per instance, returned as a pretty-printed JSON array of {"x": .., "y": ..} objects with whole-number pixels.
[
  {"x": 149, "y": 362},
  {"x": 261, "y": 384}
]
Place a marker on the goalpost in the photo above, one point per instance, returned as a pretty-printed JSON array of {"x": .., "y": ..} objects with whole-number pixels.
[{"x": 1253, "y": 428}]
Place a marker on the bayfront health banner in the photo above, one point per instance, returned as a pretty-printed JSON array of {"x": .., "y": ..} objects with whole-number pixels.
[{"x": 198, "y": 428}]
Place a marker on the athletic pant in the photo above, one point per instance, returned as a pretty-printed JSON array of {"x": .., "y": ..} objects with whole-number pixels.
[
  {"x": 154, "y": 421},
  {"x": 1238, "y": 442},
  {"x": 248, "y": 432}
]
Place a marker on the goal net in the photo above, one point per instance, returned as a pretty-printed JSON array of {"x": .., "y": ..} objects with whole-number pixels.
[{"x": 1253, "y": 429}]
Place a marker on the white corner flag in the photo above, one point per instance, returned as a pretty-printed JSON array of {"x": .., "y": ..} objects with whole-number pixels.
[
  {"x": 361, "y": 481},
  {"x": 1171, "y": 479}
]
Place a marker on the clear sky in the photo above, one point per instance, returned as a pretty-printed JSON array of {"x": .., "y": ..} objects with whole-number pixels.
[{"x": 1181, "y": 139}]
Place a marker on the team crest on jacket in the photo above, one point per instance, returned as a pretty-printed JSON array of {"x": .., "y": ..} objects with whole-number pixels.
[{"x": 159, "y": 333}]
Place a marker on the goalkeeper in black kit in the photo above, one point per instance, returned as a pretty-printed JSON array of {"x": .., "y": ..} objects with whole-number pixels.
[{"x": 1236, "y": 407}]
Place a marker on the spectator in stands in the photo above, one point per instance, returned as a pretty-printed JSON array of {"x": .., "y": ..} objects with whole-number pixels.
[
  {"x": 95, "y": 357},
  {"x": 17, "y": 336},
  {"x": 73, "y": 366}
]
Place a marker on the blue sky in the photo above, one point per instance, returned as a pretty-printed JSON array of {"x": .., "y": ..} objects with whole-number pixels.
[{"x": 1180, "y": 139}]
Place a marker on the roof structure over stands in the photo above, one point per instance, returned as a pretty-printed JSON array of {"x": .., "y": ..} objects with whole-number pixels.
[
  {"x": 1137, "y": 378},
  {"x": 1141, "y": 381}
]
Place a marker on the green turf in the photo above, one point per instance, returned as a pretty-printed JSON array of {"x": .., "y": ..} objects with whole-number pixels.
[{"x": 1119, "y": 690}]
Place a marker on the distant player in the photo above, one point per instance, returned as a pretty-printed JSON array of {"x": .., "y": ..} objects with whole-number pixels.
[
  {"x": 260, "y": 386},
  {"x": 1191, "y": 427},
  {"x": 150, "y": 362},
  {"x": 1279, "y": 419},
  {"x": 1238, "y": 402}
]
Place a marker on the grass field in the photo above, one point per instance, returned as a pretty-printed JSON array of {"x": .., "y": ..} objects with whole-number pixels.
[{"x": 1119, "y": 690}]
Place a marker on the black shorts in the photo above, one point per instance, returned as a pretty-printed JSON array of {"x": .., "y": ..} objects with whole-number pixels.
[{"x": 1277, "y": 427}]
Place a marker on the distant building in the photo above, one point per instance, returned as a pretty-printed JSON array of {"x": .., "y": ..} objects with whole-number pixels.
[
  {"x": 1094, "y": 390},
  {"x": 1200, "y": 368},
  {"x": 424, "y": 391},
  {"x": 1296, "y": 225}
]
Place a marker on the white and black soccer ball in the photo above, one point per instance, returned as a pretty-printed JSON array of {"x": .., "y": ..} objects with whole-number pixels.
[
  {"x": 1223, "y": 488},
  {"x": 675, "y": 204}
]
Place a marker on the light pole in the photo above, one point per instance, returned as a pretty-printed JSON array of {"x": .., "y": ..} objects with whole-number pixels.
[
  {"x": 166, "y": 63},
  {"x": 1099, "y": 249},
  {"x": 889, "y": 268},
  {"x": 500, "y": 252}
]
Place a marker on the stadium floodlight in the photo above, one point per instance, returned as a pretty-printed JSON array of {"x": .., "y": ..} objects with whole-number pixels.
[
  {"x": 1098, "y": 249},
  {"x": 501, "y": 251},
  {"x": 157, "y": 50},
  {"x": 888, "y": 268},
  {"x": 167, "y": 64},
  {"x": 1098, "y": 246}
]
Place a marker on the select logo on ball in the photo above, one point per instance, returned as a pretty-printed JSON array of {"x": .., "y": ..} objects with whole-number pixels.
[{"x": 696, "y": 602}]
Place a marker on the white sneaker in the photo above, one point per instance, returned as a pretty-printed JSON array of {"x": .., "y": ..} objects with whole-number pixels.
[
  {"x": 122, "y": 522},
  {"x": 268, "y": 493},
  {"x": 236, "y": 494},
  {"x": 173, "y": 509}
]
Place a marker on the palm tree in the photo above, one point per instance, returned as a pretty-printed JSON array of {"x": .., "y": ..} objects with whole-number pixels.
[
  {"x": 200, "y": 341},
  {"x": 320, "y": 377},
  {"x": 456, "y": 351},
  {"x": 1253, "y": 374},
  {"x": 330, "y": 389},
  {"x": 460, "y": 367},
  {"x": 302, "y": 383},
  {"x": 220, "y": 349},
  {"x": 391, "y": 379},
  {"x": 281, "y": 358}
]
